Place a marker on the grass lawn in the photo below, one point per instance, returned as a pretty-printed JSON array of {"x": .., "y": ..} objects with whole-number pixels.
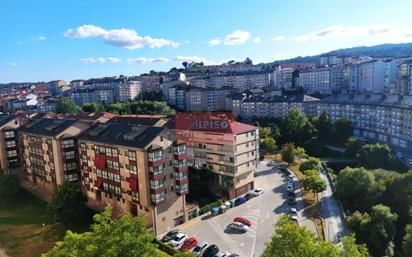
[{"x": 26, "y": 230}]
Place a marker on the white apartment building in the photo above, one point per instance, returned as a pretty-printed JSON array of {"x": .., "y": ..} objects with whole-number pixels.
[
  {"x": 283, "y": 78},
  {"x": 367, "y": 77},
  {"x": 129, "y": 90},
  {"x": 238, "y": 81},
  {"x": 323, "y": 80}
]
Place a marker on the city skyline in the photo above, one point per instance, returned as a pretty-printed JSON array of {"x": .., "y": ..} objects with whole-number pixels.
[{"x": 47, "y": 41}]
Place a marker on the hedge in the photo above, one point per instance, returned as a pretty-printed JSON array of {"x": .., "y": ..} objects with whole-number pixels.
[
  {"x": 210, "y": 206},
  {"x": 164, "y": 247}
]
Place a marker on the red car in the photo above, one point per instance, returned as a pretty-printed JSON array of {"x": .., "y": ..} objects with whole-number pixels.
[
  {"x": 243, "y": 221},
  {"x": 190, "y": 243}
]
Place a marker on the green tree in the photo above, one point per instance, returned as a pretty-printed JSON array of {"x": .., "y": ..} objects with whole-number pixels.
[
  {"x": 124, "y": 237},
  {"x": 311, "y": 163},
  {"x": 10, "y": 188},
  {"x": 264, "y": 132},
  {"x": 296, "y": 128},
  {"x": 353, "y": 147},
  {"x": 407, "y": 241},
  {"x": 353, "y": 187},
  {"x": 342, "y": 129},
  {"x": 374, "y": 156},
  {"x": 289, "y": 153},
  {"x": 68, "y": 204},
  {"x": 351, "y": 249},
  {"x": 376, "y": 229},
  {"x": 248, "y": 61},
  {"x": 269, "y": 145},
  {"x": 291, "y": 240},
  {"x": 324, "y": 127},
  {"x": 314, "y": 183},
  {"x": 93, "y": 107},
  {"x": 65, "y": 105}
]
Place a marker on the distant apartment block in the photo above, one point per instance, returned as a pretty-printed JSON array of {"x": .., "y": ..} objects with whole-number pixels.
[
  {"x": 367, "y": 77},
  {"x": 324, "y": 80}
]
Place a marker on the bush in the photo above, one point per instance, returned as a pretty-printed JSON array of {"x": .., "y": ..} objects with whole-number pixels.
[
  {"x": 10, "y": 188},
  {"x": 209, "y": 207},
  {"x": 164, "y": 247},
  {"x": 311, "y": 164}
]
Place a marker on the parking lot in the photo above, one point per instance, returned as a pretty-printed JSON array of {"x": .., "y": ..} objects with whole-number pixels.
[{"x": 263, "y": 211}]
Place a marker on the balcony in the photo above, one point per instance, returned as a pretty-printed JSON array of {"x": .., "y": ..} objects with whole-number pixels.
[
  {"x": 157, "y": 175},
  {"x": 182, "y": 190}
]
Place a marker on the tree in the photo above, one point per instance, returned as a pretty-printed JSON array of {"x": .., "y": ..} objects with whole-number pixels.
[
  {"x": 185, "y": 64},
  {"x": 314, "y": 183},
  {"x": 324, "y": 127},
  {"x": 374, "y": 156},
  {"x": 351, "y": 249},
  {"x": 248, "y": 61},
  {"x": 10, "y": 188},
  {"x": 288, "y": 153},
  {"x": 291, "y": 240},
  {"x": 376, "y": 229},
  {"x": 264, "y": 132},
  {"x": 65, "y": 105},
  {"x": 296, "y": 128},
  {"x": 108, "y": 237},
  {"x": 342, "y": 129},
  {"x": 311, "y": 163},
  {"x": 93, "y": 107},
  {"x": 68, "y": 204},
  {"x": 353, "y": 147},
  {"x": 407, "y": 241},
  {"x": 353, "y": 188},
  {"x": 269, "y": 145}
]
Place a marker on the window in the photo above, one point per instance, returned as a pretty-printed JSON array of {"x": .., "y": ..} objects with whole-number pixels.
[
  {"x": 70, "y": 177},
  {"x": 158, "y": 197},
  {"x": 133, "y": 169},
  {"x": 132, "y": 156},
  {"x": 118, "y": 190},
  {"x": 106, "y": 186},
  {"x": 104, "y": 174},
  {"x": 157, "y": 170},
  {"x": 154, "y": 184},
  {"x": 83, "y": 146},
  {"x": 155, "y": 156},
  {"x": 12, "y": 153},
  {"x": 10, "y": 143},
  {"x": 110, "y": 176},
  {"x": 135, "y": 195},
  {"x": 116, "y": 177},
  {"x": 69, "y": 166},
  {"x": 180, "y": 163},
  {"x": 68, "y": 155},
  {"x": 115, "y": 153},
  {"x": 86, "y": 180},
  {"x": 84, "y": 158},
  {"x": 68, "y": 143},
  {"x": 10, "y": 134}
]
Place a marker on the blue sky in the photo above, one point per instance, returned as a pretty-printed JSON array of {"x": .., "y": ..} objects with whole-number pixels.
[{"x": 45, "y": 40}]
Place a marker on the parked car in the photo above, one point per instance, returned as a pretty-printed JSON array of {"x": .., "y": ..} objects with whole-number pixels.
[
  {"x": 290, "y": 188},
  {"x": 243, "y": 221},
  {"x": 237, "y": 226},
  {"x": 291, "y": 200},
  {"x": 258, "y": 191},
  {"x": 189, "y": 244},
  {"x": 293, "y": 211},
  {"x": 200, "y": 248},
  {"x": 178, "y": 239},
  {"x": 168, "y": 237},
  {"x": 249, "y": 196},
  {"x": 294, "y": 218},
  {"x": 210, "y": 251},
  {"x": 222, "y": 254},
  {"x": 240, "y": 200},
  {"x": 284, "y": 170},
  {"x": 290, "y": 176},
  {"x": 291, "y": 194},
  {"x": 234, "y": 255}
]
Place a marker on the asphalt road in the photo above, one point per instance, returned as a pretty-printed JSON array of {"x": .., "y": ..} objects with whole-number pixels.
[{"x": 263, "y": 211}]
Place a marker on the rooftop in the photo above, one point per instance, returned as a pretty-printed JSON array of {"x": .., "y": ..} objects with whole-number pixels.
[{"x": 51, "y": 127}]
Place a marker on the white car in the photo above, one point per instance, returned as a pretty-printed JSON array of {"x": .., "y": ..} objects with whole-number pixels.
[
  {"x": 178, "y": 239},
  {"x": 200, "y": 248},
  {"x": 257, "y": 191},
  {"x": 293, "y": 211},
  {"x": 294, "y": 218},
  {"x": 237, "y": 226}
]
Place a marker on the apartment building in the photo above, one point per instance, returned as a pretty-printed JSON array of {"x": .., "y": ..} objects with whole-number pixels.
[
  {"x": 367, "y": 77},
  {"x": 150, "y": 83},
  {"x": 140, "y": 170},
  {"x": 387, "y": 119},
  {"x": 49, "y": 151},
  {"x": 243, "y": 80},
  {"x": 228, "y": 148},
  {"x": 128, "y": 90},
  {"x": 270, "y": 106},
  {"x": 323, "y": 80},
  {"x": 283, "y": 78},
  {"x": 9, "y": 150}
]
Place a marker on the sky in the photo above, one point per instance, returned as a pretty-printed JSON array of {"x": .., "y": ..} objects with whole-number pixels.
[{"x": 46, "y": 40}]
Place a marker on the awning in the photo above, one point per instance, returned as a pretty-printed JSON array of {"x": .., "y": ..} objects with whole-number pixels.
[
  {"x": 133, "y": 184},
  {"x": 98, "y": 183}
]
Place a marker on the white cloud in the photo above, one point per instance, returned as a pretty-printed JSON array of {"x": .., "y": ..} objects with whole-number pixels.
[
  {"x": 214, "y": 41},
  {"x": 190, "y": 59},
  {"x": 13, "y": 64},
  {"x": 377, "y": 33},
  {"x": 237, "y": 37},
  {"x": 257, "y": 40},
  {"x": 39, "y": 38},
  {"x": 124, "y": 38},
  {"x": 279, "y": 38},
  {"x": 143, "y": 60},
  {"x": 101, "y": 60}
]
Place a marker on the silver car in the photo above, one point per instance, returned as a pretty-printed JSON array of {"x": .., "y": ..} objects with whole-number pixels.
[{"x": 200, "y": 248}]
